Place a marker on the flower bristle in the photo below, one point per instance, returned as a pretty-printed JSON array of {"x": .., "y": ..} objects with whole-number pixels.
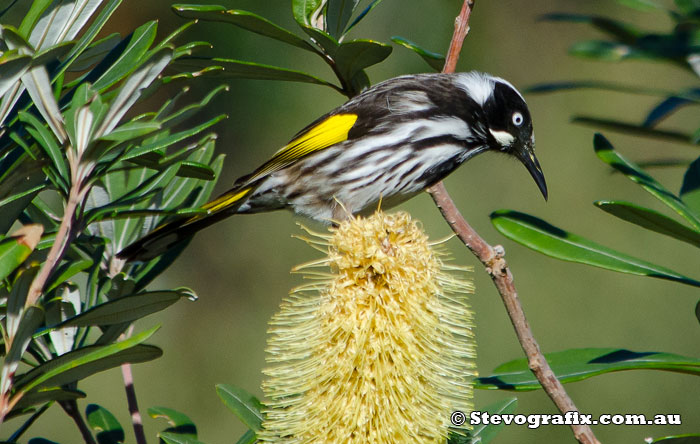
[{"x": 382, "y": 351}]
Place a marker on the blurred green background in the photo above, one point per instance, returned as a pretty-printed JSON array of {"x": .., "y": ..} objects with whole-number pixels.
[{"x": 240, "y": 268}]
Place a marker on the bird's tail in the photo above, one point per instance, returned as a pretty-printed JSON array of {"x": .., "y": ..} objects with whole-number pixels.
[{"x": 172, "y": 233}]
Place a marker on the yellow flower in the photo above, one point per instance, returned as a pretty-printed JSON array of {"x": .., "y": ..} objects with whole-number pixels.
[{"x": 381, "y": 350}]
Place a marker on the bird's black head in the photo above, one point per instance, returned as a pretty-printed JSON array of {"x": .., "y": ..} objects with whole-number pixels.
[{"x": 507, "y": 120}]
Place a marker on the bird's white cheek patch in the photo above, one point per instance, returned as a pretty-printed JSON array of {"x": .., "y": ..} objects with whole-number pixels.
[{"x": 504, "y": 138}]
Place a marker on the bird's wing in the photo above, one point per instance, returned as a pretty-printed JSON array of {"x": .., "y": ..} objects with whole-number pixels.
[{"x": 323, "y": 133}]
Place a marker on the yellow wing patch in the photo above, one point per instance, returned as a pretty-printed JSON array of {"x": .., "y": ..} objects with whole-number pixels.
[
  {"x": 326, "y": 133},
  {"x": 226, "y": 200}
]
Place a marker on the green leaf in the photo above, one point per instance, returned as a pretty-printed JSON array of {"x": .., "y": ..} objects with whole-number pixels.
[
  {"x": 174, "y": 438},
  {"x": 325, "y": 42},
  {"x": 61, "y": 23},
  {"x": 606, "y": 152},
  {"x": 641, "y": 5},
  {"x": 338, "y": 14},
  {"x": 47, "y": 395},
  {"x": 579, "y": 364},
  {"x": 48, "y": 142},
  {"x": 540, "y": 236},
  {"x": 126, "y": 309},
  {"x": 19, "y": 174},
  {"x": 362, "y": 15},
  {"x": 303, "y": 10},
  {"x": 89, "y": 35},
  {"x": 667, "y": 107},
  {"x": 595, "y": 84},
  {"x": 354, "y": 56},
  {"x": 485, "y": 433},
  {"x": 435, "y": 60},
  {"x": 131, "y": 130},
  {"x": 16, "y": 249},
  {"x": 66, "y": 271},
  {"x": 249, "y": 70},
  {"x": 697, "y": 311},
  {"x": 171, "y": 139},
  {"x": 133, "y": 88},
  {"x": 95, "y": 53},
  {"x": 87, "y": 361},
  {"x": 244, "y": 405},
  {"x": 634, "y": 130},
  {"x": 603, "y": 50},
  {"x": 12, "y": 67},
  {"x": 32, "y": 16},
  {"x": 243, "y": 19},
  {"x": 679, "y": 439},
  {"x": 180, "y": 423},
  {"x": 650, "y": 219},
  {"x": 247, "y": 438},
  {"x": 132, "y": 57},
  {"x": 690, "y": 189},
  {"x": 104, "y": 424},
  {"x": 31, "y": 319}
]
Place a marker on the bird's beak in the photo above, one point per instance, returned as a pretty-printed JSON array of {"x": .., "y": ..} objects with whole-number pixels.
[{"x": 527, "y": 157}]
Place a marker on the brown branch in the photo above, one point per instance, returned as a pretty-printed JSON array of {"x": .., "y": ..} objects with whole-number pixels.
[
  {"x": 134, "y": 412},
  {"x": 497, "y": 268},
  {"x": 71, "y": 408}
]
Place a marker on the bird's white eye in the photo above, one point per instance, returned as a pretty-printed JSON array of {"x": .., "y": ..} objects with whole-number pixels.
[{"x": 518, "y": 118}]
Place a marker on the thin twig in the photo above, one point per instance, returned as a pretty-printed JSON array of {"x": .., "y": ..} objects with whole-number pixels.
[
  {"x": 71, "y": 408},
  {"x": 497, "y": 267},
  {"x": 134, "y": 412}
]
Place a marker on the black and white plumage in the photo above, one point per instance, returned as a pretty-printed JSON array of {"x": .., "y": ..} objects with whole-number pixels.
[{"x": 386, "y": 144}]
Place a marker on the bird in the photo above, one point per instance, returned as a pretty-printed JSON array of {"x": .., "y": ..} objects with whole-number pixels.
[{"x": 385, "y": 145}]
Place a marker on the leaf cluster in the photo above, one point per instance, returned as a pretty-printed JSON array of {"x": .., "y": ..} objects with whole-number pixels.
[{"x": 81, "y": 176}]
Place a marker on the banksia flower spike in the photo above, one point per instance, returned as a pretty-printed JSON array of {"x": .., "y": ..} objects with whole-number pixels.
[{"x": 379, "y": 350}]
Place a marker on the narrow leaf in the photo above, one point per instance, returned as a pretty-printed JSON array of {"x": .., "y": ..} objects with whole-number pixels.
[
  {"x": 579, "y": 364},
  {"x": 607, "y": 154},
  {"x": 552, "y": 241},
  {"x": 664, "y": 109},
  {"x": 691, "y": 438},
  {"x": 12, "y": 67},
  {"x": 435, "y": 60},
  {"x": 690, "y": 189},
  {"x": 47, "y": 142},
  {"x": 125, "y": 309},
  {"x": 133, "y": 87},
  {"x": 243, "y": 19},
  {"x": 131, "y": 59},
  {"x": 362, "y": 15},
  {"x": 650, "y": 219},
  {"x": 338, "y": 14},
  {"x": 244, "y": 405},
  {"x": 249, "y": 70},
  {"x": 84, "y": 362},
  {"x": 47, "y": 395}
]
